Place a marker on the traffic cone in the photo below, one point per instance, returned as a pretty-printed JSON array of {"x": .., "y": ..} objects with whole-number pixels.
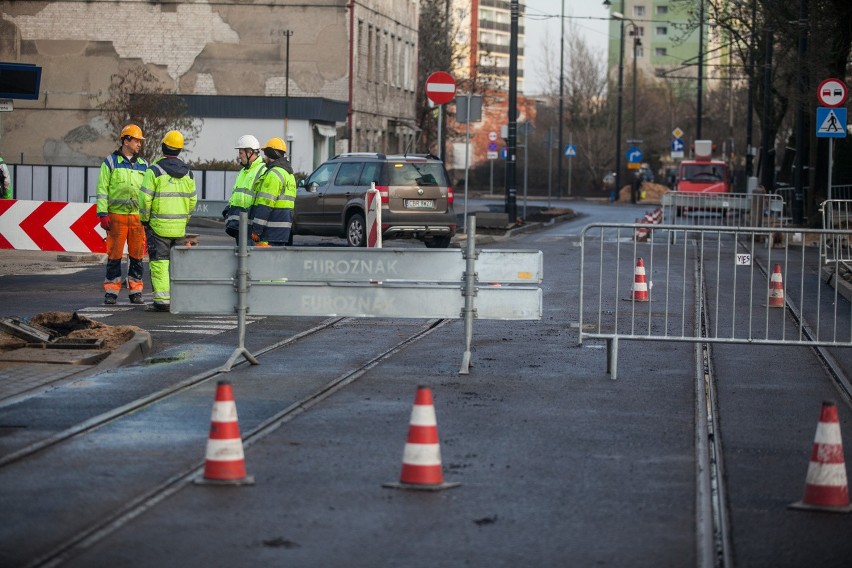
[
  {"x": 421, "y": 460},
  {"x": 776, "y": 288},
  {"x": 826, "y": 488},
  {"x": 639, "y": 292},
  {"x": 225, "y": 463}
]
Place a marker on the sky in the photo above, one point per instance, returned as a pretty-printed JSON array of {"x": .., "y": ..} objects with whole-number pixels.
[{"x": 589, "y": 17}]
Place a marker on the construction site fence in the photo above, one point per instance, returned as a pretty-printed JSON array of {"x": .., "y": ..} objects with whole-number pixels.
[
  {"x": 837, "y": 217},
  {"x": 723, "y": 209},
  {"x": 756, "y": 286}
]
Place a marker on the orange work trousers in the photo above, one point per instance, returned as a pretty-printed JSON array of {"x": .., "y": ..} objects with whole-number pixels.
[{"x": 124, "y": 229}]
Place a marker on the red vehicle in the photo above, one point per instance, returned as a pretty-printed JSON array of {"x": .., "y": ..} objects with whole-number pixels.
[{"x": 703, "y": 174}]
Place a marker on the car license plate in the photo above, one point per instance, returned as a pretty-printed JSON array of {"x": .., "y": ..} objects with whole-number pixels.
[{"x": 419, "y": 203}]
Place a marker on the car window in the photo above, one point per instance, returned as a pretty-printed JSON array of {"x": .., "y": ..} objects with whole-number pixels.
[
  {"x": 322, "y": 175},
  {"x": 701, "y": 172},
  {"x": 413, "y": 174},
  {"x": 370, "y": 173},
  {"x": 348, "y": 173}
]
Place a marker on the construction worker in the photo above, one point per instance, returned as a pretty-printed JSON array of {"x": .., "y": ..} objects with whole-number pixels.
[
  {"x": 166, "y": 201},
  {"x": 118, "y": 212},
  {"x": 242, "y": 196},
  {"x": 5, "y": 181},
  {"x": 275, "y": 197}
]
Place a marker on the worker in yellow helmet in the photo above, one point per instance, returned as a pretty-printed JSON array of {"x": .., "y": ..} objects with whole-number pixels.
[
  {"x": 275, "y": 197},
  {"x": 167, "y": 200},
  {"x": 118, "y": 212}
]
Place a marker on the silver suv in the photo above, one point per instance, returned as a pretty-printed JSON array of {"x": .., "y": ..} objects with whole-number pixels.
[{"x": 417, "y": 200}]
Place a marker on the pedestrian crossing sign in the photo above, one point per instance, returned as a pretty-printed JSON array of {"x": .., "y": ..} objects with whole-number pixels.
[{"x": 831, "y": 122}]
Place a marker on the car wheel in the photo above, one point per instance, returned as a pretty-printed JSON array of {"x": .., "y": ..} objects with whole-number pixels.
[
  {"x": 356, "y": 234},
  {"x": 437, "y": 242}
]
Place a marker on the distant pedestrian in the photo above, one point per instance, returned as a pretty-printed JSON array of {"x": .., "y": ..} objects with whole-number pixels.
[
  {"x": 636, "y": 188},
  {"x": 242, "y": 196},
  {"x": 166, "y": 202},
  {"x": 275, "y": 197},
  {"x": 5, "y": 181},
  {"x": 118, "y": 212}
]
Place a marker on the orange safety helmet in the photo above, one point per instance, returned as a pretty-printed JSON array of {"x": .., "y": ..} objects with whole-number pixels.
[
  {"x": 133, "y": 131},
  {"x": 276, "y": 144}
]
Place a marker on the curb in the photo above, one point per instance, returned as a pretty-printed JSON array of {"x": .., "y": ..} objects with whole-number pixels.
[{"x": 131, "y": 351}]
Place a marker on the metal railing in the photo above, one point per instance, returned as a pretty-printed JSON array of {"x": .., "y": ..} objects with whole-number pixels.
[
  {"x": 749, "y": 293},
  {"x": 723, "y": 209},
  {"x": 837, "y": 216}
]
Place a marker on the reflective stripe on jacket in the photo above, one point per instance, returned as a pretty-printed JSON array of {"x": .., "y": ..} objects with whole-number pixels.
[
  {"x": 167, "y": 197},
  {"x": 118, "y": 184},
  {"x": 273, "y": 205}
]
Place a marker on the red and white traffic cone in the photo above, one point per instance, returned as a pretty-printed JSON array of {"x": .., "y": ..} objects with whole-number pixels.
[
  {"x": 826, "y": 488},
  {"x": 776, "y": 288},
  {"x": 225, "y": 462},
  {"x": 421, "y": 459},
  {"x": 639, "y": 292}
]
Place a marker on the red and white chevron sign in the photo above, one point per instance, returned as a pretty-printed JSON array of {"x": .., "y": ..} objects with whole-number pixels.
[{"x": 51, "y": 226}]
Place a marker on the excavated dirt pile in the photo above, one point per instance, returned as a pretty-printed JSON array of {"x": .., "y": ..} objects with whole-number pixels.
[
  {"x": 653, "y": 193},
  {"x": 73, "y": 326}
]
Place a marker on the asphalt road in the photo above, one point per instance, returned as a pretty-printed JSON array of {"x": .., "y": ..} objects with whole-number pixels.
[{"x": 559, "y": 465}]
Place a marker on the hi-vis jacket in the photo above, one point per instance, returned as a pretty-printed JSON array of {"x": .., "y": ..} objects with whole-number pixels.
[
  {"x": 243, "y": 195},
  {"x": 167, "y": 197},
  {"x": 118, "y": 184},
  {"x": 274, "y": 201}
]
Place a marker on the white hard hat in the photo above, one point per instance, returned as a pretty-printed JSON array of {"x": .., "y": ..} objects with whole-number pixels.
[{"x": 247, "y": 141}]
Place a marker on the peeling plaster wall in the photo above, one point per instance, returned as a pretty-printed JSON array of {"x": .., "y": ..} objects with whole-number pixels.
[{"x": 218, "y": 47}]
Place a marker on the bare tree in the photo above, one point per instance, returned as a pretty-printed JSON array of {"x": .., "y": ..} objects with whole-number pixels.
[{"x": 137, "y": 96}]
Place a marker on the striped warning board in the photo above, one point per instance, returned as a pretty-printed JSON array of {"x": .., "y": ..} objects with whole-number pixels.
[{"x": 50, "y": 226}]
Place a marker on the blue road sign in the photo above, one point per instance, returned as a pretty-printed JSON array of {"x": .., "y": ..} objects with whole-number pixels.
[
  {"x": 570, "y": 150},
  {"x": 492, "y": 146},
  {"x": 677, "y": 145},
  {"x": 504, "y": 153},
  {"x": 634, "y": 155},
  {"x": 830, "y": 122}
]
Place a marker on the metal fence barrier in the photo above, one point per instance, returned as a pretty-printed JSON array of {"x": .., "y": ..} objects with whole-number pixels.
[
  {"x": 837, "y": 216},
  {"x": 748, "y": 293},
  {"x": 376, "y": 283},
  {"x": 723, "y": 209}
]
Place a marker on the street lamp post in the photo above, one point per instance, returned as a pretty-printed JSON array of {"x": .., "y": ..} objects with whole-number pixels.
[
  {"x": 637, "y": 43},
  {"x": 620, "y": 17}
]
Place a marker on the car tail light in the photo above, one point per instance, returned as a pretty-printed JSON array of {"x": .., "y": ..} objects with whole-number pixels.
[
  {"x": 383, "y": 192},
  {"x": 450, "y": 195}
]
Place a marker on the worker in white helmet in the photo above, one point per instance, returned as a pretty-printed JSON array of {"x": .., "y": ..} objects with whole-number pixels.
[{"x": 242, "y": 196}]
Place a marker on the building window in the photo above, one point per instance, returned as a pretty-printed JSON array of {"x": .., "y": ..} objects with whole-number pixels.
[
  {"x": 660, "y": 51},
  {"x": 662, "y": 30},
  {"x": 662, "y": 10},
  {"x": 639, "y": 11}
]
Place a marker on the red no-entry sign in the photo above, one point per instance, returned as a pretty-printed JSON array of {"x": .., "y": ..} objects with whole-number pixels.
[{"x": 440, "y": 87}]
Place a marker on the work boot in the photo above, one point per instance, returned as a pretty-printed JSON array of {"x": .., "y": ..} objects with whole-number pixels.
[
  {"x": 155, "y": 307},
  {"x": 110, "y": 299},
  {"x": 136, "y": 298}
]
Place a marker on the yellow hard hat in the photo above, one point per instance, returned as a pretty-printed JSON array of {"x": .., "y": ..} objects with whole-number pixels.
[
  {"x": 173, "y": 139},
  {"x": 276, "y": 144},
  {"x": 132, "y": 130}
]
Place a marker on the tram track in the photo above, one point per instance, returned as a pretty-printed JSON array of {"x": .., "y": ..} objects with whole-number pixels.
[{"x": 174, "y": 482}]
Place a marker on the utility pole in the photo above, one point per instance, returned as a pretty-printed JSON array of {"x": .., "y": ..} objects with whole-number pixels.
[
  {"x": 511, "y": 140},
  {"x": 698, "y": 109},
  {"x": 798, "y": 174},
  {"x": 287, "y": 34}
]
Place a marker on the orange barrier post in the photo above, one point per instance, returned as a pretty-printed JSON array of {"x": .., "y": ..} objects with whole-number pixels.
[
  {"x": 826, "y": 488},
  {"x": 421, "y": 459},
  {"x": 776, "y": 288},
  {"x": 225, "y": 462}
]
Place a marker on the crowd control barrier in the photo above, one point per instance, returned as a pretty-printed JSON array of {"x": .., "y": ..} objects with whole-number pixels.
[
  {"x": 357, "y": 282},
  {"x": 709, "y": 285},
  {"x": 837, "y": 217},
  {"x": 723, "y": 209}
]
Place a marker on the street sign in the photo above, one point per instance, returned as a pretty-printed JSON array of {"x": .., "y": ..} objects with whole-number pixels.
[
  {"x": 832, "y": 93},
  {"x": 6, "y": 105},
  {"x": 831, "y": 122},
  {"x": 491, "y": 155},
  {"x": 492, "y": 136},
  {"x": 570, "y": 150},
  {"x": 492, "y": 146},
  {"x": 634, "y": 155},
  {"x": 504, "y": 153},
  {"x": 440, "y": 87},
  {"x": 677, "y": 145},
  {"x": 677, "y": 133}
]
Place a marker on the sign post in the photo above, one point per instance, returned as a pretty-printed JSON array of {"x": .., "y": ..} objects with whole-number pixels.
[
  {"x": 830, "y": 118},
  {"x": 440, "y": 89}
]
